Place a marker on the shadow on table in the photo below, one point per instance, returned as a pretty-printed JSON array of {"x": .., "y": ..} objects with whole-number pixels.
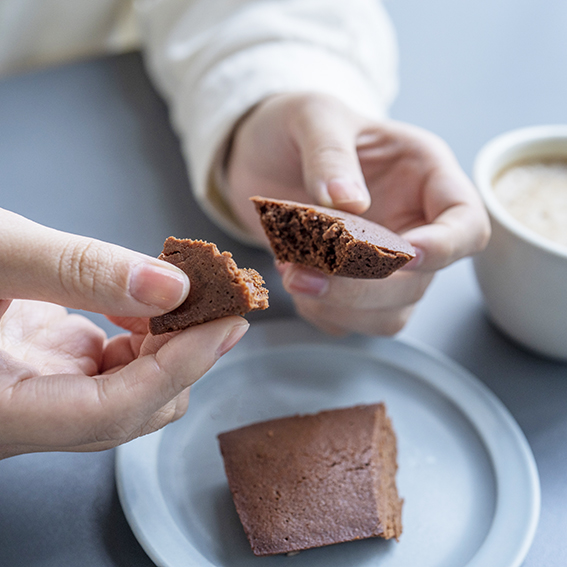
[
  {"x": 532, "y": 387},
  {"x": 119, "y": 540}
]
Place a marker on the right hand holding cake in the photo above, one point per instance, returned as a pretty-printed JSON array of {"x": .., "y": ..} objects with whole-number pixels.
[{"x": 311, "y": 148}]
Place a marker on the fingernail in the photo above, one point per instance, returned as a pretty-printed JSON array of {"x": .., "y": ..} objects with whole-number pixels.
[
  {"x": 322, "y": 196},
  {"x": 346, "y": 191},
  {"x": 309, "y": 282},
  {"x": 4, "y": 304},
  {"x": 163, "y": 285},
  {"x": 282, "y": 267},
  {"x": 232, "y": 337},
  {"x": 415, "y": 262}
]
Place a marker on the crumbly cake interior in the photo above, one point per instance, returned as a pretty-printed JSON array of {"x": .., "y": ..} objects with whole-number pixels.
[
  {"x": 309, "y": 236},
  {"x": 299, "y": 236}
]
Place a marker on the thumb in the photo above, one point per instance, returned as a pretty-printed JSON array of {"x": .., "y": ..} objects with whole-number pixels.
[
  {"x": 41, "y": 263},
  {"x": 165, "y": 368},
  {"x": 67, "y": 410},
  {"x": 325, "y": 132}
]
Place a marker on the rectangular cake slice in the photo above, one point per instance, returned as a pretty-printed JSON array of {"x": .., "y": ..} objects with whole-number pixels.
[{"x": 313, "y": 480}]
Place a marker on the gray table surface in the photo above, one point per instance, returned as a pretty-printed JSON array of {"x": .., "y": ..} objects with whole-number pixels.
[{"x": 87, "y": 148}]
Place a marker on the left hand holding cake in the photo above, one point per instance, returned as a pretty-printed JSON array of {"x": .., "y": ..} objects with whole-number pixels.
[
  {"x": 63, "y": 385},
  {"x": 311, "y": 148}
]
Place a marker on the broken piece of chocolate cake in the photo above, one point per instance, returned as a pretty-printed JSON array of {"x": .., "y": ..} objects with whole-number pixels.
[
  {"x": 333, "y": 241},
  {"x": 218, "y": 287},
  {"x": 313, "y": 480}
]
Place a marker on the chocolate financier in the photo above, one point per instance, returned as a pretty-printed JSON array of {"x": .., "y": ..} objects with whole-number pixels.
[
  {"x": 333, "y": 241},
  {"x": 313, "y": 480},
  {"x": 218, "y": 286}
]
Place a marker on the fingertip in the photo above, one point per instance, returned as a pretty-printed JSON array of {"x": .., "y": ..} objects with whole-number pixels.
[
  {"x": 417, "y": 261},
  {"x": 306, "y": 281},
  {"x": 233, "y": 336},
  {"x": 344, "y": 194},
  {"x": 348, "y": 195},
  {"x": 282, "y": 267},
  {"x": 436, "y": 245},
  {"x": 158, "y": 284},
  {"x": 321, "y": 194}
]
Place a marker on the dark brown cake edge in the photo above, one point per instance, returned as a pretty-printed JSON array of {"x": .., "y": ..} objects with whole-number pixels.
[{"x": 388, "y": 502}]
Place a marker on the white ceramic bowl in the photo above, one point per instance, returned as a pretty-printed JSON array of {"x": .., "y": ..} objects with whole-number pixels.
[{"x": 523, "y": 275}]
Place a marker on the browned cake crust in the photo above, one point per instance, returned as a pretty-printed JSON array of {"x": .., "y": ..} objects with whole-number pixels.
[
  {"x": 307, "y": 481},
  {"x": 335, "y": 242},
  {"x": 218, "y": 288}
]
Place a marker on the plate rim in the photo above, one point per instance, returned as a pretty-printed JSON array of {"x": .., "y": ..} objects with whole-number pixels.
[{"x": 142, "y": 452}]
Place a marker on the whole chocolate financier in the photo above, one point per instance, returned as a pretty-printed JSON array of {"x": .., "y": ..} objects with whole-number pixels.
[
  {"x": 332, "y": 241},
  {"x": 312, "y": 480}
]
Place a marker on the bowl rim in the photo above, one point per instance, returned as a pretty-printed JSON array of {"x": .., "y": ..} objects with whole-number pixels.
[{"x": 484, "y": 171}]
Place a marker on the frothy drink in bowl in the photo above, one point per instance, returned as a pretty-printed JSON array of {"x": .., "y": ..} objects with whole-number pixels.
[
  {"x": 534, "y": 192},
  {"x": 522, "y": 179}
]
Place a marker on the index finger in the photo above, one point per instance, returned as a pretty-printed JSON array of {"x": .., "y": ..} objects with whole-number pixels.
[{"x": 41, "y": 263}]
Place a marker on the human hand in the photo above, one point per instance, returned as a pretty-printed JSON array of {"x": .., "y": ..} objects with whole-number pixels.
[
  {"x": 64, "y": 387},
  {"x": 312, "y": 148},
  {"x": 40, "y": 263}
]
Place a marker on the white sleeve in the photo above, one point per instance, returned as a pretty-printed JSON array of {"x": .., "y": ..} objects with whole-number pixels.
[{"x": 214, "y": 59}]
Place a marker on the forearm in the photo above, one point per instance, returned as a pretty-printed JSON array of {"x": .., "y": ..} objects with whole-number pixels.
[{"x": 213, "y": 61}]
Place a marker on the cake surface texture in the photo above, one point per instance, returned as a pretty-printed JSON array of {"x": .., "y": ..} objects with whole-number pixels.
[
  {"x": 218, "y": 287},
  {"x": 312, "y": 480},
  {"x": 335, "y": 242}
]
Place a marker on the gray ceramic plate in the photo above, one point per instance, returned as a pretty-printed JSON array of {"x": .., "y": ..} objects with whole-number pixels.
[{"x": 466, "y": 472}]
